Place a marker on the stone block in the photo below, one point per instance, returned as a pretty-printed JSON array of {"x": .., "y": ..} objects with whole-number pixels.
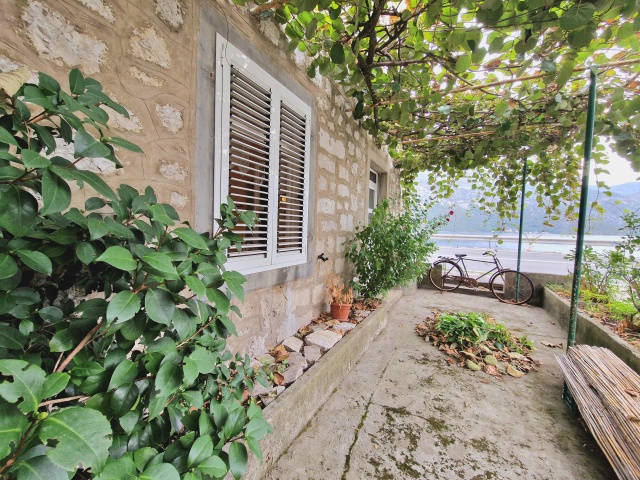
[
  {"x": 344, "y": 327},
  {"x": 292, "y": 344},
  {"x": 323, "y": 339},
  {"x": 312, "y": 354},
  {"x": 297, "y": 365},
  {"x": 318, "y": 327},
  {"x": 326, "y": 206}
]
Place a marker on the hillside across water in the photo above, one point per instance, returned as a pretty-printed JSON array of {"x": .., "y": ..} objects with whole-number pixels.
[{"x": 469, "y": 220}]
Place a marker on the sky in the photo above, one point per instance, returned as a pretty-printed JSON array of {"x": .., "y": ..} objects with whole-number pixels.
[{"x": 620, "y": 171}]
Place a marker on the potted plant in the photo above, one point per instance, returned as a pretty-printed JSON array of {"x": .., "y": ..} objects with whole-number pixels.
[{"x": 340, "y": 298}]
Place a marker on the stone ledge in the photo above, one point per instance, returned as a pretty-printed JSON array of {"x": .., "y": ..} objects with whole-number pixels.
[
  {"x": 291, "y": 411},
  {"x": 589, "y": 331}
]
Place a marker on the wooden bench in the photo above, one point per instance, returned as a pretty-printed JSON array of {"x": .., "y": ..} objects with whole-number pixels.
[{"x": 607, "y": 394}]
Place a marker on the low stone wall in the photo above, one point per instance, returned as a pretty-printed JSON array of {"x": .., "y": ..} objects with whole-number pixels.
[
  {"x": 291, "y": 411},
  {"x": 589, "y": 331}
]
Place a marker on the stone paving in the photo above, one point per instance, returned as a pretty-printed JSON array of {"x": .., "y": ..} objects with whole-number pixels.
[{"x": 402, "y": 412}]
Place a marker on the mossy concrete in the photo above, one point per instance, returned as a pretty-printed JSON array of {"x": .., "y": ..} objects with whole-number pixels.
[
  {"x": 296, "y": 406},
  {"x": 403, "y": 412},
  {"x": 590, "y": 331}
]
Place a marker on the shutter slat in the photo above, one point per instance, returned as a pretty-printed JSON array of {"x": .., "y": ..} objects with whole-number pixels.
[
  {"x": 292, "y": 147},
  {"x": 249, "y": 147}
]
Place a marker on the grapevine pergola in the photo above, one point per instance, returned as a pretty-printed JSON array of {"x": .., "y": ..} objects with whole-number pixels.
[{"x": 473, "y": 87}]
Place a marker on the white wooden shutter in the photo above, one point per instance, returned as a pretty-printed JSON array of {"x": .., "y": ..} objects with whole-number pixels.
[
  {"x": 291, "y": 181},
  {"x": 249, "y": 147}
]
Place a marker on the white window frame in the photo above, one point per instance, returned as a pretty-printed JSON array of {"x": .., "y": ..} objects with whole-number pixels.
[
  {"x": 226, "y": 56},
  {"x": 373, "y": 186}
]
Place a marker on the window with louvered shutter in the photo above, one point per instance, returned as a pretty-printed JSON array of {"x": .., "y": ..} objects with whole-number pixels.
[
  {"x": 249, "y": 148},
  {"x": 262, "y": 156},
  {"x": 291, "y": 185}
]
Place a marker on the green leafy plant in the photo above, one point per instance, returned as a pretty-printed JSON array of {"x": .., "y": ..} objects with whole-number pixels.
[
  {"x": 463, "y": 328},
  {"x": 393, "y": 249},
  {"x": 133, "y": 380},
  {"x": 471, "y": 329},
  {"x": 599, "y": 271}
]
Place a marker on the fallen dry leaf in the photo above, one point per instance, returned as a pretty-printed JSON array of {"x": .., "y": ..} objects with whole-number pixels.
[
  {"x": 514, "y": 372},
  {"x": 552, "y": 345},
  {"x": 279, "y": 353},
  {"x": 278, "y": 378},
  {"x": 633, "y": 393},
  {"x": 491, "y": 370}
]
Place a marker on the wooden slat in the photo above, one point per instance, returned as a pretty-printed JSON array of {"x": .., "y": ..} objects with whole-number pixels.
[{"x": 607, "y": 393}]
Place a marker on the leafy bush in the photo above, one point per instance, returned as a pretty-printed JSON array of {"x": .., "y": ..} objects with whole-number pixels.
[
  {"x": 134, "y": 380},
  {"x": 470, "y": 329},
  {"x": 598, "y": 271},
  {"x": 393, "y": 249}
]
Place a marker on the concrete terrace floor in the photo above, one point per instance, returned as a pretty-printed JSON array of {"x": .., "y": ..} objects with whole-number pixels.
[{"x": 403, "y": 413}]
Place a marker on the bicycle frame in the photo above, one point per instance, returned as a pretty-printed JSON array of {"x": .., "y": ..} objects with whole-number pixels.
[{"x": 460, "y": 261}]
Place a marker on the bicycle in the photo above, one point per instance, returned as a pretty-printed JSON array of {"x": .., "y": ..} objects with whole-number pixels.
[{"x": 508, "y": 286}]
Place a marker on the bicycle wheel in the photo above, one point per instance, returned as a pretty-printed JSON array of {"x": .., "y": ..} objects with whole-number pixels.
[
  {"x": 510, "y": 286},
  {"x": 445, "y": 275}
]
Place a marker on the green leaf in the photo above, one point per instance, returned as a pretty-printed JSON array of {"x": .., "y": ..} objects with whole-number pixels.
[
  {"x": 191, "y": 238},
  {"x": 159, "y": 213},
  {"x": 235, "y": 422},
  {"x": 41, "y": 468},
  {"x": 6, "y": 137},
  {"x": 234, "y": 281},
  {"x": 196, "y": 286},
  {"x": 27, "y": 384},
  {"x": 124, "y": 399},
  {"x": 122, "y": 468},
  {"x": 121, "y": 142},
  {"x": 94, "y": 181},
  {"x": 160, "y": 471},
  {"x": 159, "y": 305},
  {"x": 577, "y": 16},
  {"x": 36, "y": 261},
  {"x": 76, "y": 81},
  {"x": 97, "y": 229},
  {"x": 86, "y": 252},
  {"x": 118, "y": 257},
  {"x": 169, "y": 378},
  {"x": 220, "y": 300},
  {"x": 123, "y": 306},
  {"x": 54, "y": 384},
  {"x": 161, "y": 263},
  {"x": 125, "y": 372},
  {"x": 82, "y": 435},
  {"x": 8, "y": 266},
  {"x": 13, "y": 424},
  {"x": 48, "y": 83},
  {"x": 204, "y": 360},
  {"x": 463, "y": 63},
  {"x": 257, "y": 428},
  {"x": 19, "y": 211},
  {"x": 201, "y": 449},
  {"x": 237, "y": 460},
  {"x": 32, "y": 159},
  {"x": 213, "y": 466},
  {"x": 336, "y": 54},
  {"x": 87, "y": 146},
  {"x": 11, "y": 338},
  {"x": 56, "y": 194}
]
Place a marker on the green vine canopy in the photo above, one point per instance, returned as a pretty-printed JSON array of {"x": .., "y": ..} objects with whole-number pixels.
[{"x": 473, "y": 87}]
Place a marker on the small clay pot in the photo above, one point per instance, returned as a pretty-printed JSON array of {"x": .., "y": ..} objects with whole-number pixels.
[{"x": 340, "y": 311}]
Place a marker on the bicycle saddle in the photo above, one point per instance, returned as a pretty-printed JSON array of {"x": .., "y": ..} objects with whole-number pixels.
[{"x": 461, "y": 255}]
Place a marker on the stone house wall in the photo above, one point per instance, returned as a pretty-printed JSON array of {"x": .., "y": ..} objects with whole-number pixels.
[{"x": 153, "y": 56}]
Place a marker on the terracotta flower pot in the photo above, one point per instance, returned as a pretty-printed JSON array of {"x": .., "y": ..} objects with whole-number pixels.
[{"x": 340, "y": 311}]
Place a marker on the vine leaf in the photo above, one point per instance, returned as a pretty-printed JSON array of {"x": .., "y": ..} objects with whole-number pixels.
[
  {"x": 82, "y": 435},
  {"x": 27, "y": 384}
]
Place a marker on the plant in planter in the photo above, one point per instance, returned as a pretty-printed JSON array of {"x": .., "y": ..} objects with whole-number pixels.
[
  {"x": 340, "y": 298},
  {"x": 393, "y": 249},
  {"x": 136, "y": 381}
]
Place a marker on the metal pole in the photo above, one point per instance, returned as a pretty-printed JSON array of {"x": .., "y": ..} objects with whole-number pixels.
[
  {"x": 524, "y": 184},
  {"x": 582, "y": 219}
]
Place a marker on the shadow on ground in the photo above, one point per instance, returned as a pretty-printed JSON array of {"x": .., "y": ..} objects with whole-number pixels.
[{"x": 402, "y": 412}]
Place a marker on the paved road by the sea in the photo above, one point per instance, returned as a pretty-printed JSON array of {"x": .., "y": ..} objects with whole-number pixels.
[{"x": 532, "y": 262}]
